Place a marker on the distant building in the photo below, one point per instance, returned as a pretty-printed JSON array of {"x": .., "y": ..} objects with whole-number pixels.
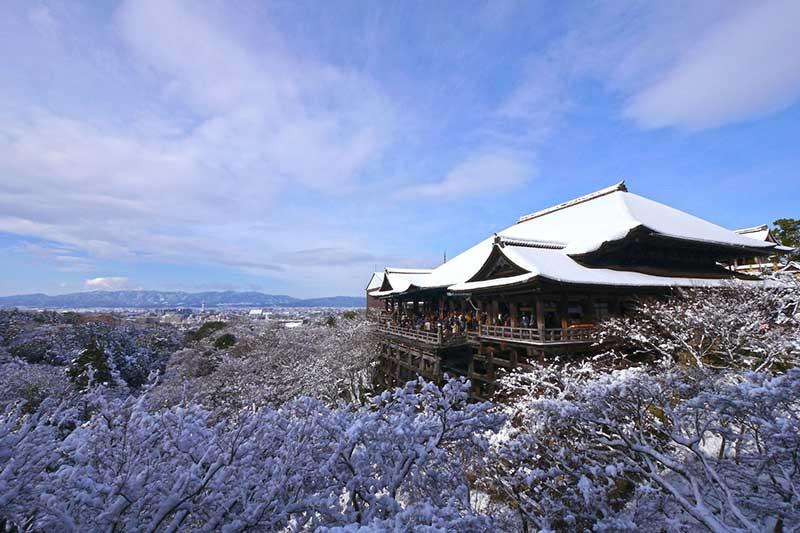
[
  {"x": 375, "y": 283},
  {"x": 172, "y": 318},
  {"x": 538, "y": 287},
  {"x": 758, "y": 265},
  {"x": 792, "y": 267}
]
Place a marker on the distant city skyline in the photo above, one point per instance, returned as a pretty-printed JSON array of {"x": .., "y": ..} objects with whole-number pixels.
[{"x": 290, "y": 147}]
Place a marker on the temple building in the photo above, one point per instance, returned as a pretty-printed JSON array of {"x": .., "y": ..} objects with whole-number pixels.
[
  {"x": 760, "y": 265},
  {"x": 540, "y": 286},
  {"x": 375, "y": 283}
]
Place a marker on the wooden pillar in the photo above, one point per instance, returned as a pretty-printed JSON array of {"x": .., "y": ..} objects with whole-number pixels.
[
  {"x": 540, "y": 315},
  {"x": 495, "y": 310},
  {"x": 613, "y": 306},
  {"x": 588, "y": 309},
  {"x": 513, "y": 308},
  {"x": 562, "y": 310}
]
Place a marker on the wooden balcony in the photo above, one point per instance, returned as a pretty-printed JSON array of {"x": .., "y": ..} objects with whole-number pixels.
[
  {"x": 578, "y": 335},
  {"x": 434, "y": 338}
]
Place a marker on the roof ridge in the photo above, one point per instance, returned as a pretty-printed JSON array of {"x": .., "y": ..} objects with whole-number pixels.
[
  {"x": 754, "y": 229},
  {"x": 575, "y": 201},
  {"x": 502, "y": 241}
]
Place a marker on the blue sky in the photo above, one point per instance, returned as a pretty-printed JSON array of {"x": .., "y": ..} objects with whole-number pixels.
[{"x": 291, "y": 147}]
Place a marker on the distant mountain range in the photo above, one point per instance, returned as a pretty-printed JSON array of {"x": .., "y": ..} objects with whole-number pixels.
[{"x": 171, "y": 299}]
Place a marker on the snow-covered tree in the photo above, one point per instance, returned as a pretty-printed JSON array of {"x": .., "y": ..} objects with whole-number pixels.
[
  {"x": 30, "y": 385},
  {"x": 620, "y": 448},
  {"x": 687, "y": 436},
  {"x": 399, "y": 459},
  {"x": 92, "y": 360},
  {"x": 133, "y": 349},
  {"x": 273, "y": 365},
  {"x": 743, "y": 325}
]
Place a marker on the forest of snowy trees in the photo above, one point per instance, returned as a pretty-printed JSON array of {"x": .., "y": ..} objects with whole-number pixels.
[{"x": 686, "y": 418}]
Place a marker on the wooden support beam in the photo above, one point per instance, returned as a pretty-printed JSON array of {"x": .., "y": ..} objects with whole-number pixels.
[
  {"x": 614, "y": 308},
  {"x": 588, "y": 309},
  {"x": 540, "y": 315}
]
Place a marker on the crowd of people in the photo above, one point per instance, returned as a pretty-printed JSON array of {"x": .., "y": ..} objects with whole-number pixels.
[
  {"x": 454, "y": 323},
  {"x": 458, "y": 322}
]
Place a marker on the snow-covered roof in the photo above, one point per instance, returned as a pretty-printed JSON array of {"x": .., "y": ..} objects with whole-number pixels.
[
  {"x": 399, "y": 280},
  {"x": 588, "y": 222},
  {"x": 791, "y": 266},
  {"x": 764, "y": 234},
  {"x": 577, "y": 227},
  {"x": 409, "y": 271},
  {"x": 759, "y": 233},
  {"x": 556, "y": 266},
  {"x": 375, "y": 281}
]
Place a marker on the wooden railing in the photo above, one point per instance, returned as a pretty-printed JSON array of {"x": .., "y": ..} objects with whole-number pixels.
[
  {"x": 523, "y": 335},
  {"x": 531, "y": 335},
  {"x": 440, "y": 337},
  {"x": 505, "y": 332},
  {"x": 379, "y": 316}
]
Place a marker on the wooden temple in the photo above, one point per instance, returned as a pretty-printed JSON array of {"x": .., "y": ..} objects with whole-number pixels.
[
  {"x": 540, "y": 286},
  {"x": 760, "y": 265}
]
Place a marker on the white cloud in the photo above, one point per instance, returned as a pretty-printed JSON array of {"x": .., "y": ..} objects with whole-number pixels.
[
  {"x": 745, "y": 67},
  {"x": 266, "y": 137},
  {"x": 487, "y": 172},
  {"x": 685, "y": 64},
  {"x": 293, "y": 119},
  {"x": 107, "y": 283},
  {"x": 43, "y": 19},
  {"x": 221, "y": 131},
  {"x": 540, "y": 96},
  {"x": 62, "y": 258}
]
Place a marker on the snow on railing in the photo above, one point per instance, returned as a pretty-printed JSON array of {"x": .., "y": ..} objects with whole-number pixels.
[
  {"x": 535, "y": 336},
  {"x": 444, "y": 337},
  {"x": 440, "y": 337}
]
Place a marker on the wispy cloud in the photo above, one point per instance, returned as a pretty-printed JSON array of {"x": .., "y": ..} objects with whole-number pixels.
[
  {"x": 288, "y": 141},
  {"x": 488, "y": 172},
  {"x": 744, "y": 67},
  {"x": 283, "y": 118},
  {"x": 251, "y": 127},
  {"x": 62, "y": 258},
  {"x": 108, "y": 283}
]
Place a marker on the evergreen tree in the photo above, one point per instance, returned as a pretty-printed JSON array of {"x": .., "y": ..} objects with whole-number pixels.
[
  {"x": 787, "y": 232},
  {"x": 94, "y": 357},
  {"x": 224, "y": 341}
]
